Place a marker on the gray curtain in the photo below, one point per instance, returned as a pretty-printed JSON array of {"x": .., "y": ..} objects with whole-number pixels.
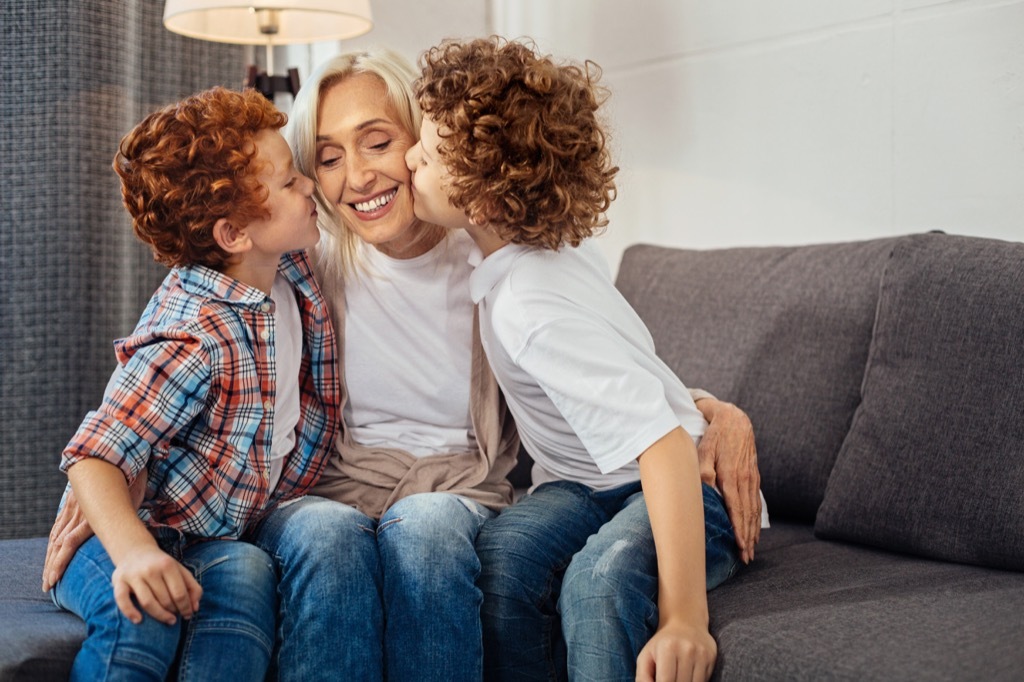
[{"x": 75, "y": 76}]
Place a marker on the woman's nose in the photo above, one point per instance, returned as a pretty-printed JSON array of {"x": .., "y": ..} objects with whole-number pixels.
[{"x": 360, "y": 172}]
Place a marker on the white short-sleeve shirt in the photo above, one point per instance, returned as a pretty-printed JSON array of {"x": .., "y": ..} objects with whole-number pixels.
[{"x": 576, "y": 364}]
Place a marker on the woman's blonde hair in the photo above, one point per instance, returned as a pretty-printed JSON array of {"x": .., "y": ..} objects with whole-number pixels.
[{"x": 338, "y": 249}]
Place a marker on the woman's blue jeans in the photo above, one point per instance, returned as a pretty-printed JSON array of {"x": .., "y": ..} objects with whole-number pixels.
[
  {"x": 570, "y": 581},
  {"x": 230, "y": 638},
  {"x": 395, "y": 599}
]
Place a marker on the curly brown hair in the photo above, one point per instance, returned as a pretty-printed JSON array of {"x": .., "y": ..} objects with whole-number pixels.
[
  {"x": 521, "y": 139},
  {"x": 184, "y": 167}
]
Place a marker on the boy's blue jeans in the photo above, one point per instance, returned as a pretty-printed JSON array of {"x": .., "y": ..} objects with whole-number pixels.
[
  {"x": 570, "y": 581},
  {"x": 273, "y": 600},
  {"x": 230, "y": 638}
]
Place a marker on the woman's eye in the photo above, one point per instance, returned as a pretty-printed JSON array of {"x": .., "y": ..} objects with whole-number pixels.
[
  {"x": 381, "y": 146},
  {"x": 329, "y": 157}
]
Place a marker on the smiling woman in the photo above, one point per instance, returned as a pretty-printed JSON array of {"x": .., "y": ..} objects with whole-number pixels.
[{"x": 426, "y": 444}]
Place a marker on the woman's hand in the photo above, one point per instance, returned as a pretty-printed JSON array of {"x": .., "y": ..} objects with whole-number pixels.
[
  {"x": 728, "y": 461},
  {"x": 71, "y": 530},
  {"x": 677, "y": 652}
]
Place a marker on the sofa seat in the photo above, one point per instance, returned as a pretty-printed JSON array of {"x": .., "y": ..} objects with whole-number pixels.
[
  {"x": 810, "y": 609},
  {"x": 38, "y": 641}
]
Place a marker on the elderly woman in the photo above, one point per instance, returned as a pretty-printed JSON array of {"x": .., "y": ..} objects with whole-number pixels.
[{"x": 426, "y": 443}]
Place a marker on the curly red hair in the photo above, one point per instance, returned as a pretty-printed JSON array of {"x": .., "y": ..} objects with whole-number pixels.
[
  {"x": 521, "y": 139},
  {"x": 184, "y": 167}
]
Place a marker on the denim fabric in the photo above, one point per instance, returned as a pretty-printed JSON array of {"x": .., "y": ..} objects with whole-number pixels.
[
  {"x": 329, "y": 580},
  {"x": 359, "y": 597},
  {"x": 229, "y": 638},
  {"x": 570, "y": 581},
  {"x": 431, "y": 599}
]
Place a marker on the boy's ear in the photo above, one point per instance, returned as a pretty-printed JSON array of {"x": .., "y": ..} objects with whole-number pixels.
[{"x": 230, "y": 237}]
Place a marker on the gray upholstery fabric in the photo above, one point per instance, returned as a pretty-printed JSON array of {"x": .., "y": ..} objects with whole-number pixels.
[
  {"x": 38, "y": 641},
  {"x": 782, "y": 332},
  {"x": 934, "y": 462},
  {"x": 76, "y": 76},
  {"x": 813, "y": 610}
]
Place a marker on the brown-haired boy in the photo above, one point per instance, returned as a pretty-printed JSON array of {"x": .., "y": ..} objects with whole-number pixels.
[{"x": 512, "y": 151}]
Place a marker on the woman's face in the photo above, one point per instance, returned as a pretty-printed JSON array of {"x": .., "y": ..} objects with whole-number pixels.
[{"x": 360, "y": 164}]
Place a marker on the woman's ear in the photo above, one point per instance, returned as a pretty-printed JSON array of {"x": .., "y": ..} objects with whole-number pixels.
[{"x": 230, "y": 237}]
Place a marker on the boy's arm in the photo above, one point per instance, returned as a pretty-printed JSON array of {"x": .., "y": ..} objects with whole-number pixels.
[
  {"x": 161, "y": 585},
  {"x": 682, "y": 648},
  {"x": 70, "y": 531}
]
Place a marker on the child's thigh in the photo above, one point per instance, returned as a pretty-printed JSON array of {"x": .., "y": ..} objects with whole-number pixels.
[
  {"x": 114, "y": 641},
  {"x": 239, "y": 580},
  {"x": 620, "y": 558},
  {"x": 532, "y": 541},
  {"x": 85, "y": 586}
]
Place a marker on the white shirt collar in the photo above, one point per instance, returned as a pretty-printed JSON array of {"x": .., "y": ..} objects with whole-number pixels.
[{"x": 492, "y": 269}]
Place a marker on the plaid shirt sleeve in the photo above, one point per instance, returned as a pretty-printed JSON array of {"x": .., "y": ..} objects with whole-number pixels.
[{"x": 160, "y": 389}]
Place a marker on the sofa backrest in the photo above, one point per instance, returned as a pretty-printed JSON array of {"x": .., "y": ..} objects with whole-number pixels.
[
  {"x": 934, "y": 461},
  {"x": 783, "y": 332}
]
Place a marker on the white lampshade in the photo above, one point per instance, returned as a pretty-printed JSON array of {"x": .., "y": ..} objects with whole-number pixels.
[{"x": 268, "y": 22}]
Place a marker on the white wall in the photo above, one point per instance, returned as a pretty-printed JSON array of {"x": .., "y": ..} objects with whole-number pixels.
[
  {"x": 745, "y": 122},
  {"x": 748, "y": 122}
]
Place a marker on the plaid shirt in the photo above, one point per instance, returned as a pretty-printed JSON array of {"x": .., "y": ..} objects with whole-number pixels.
[{"x": 193, "y": 403}]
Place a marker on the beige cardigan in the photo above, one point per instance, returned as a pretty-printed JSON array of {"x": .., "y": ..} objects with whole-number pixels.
[{"x": 373, "y": 479}]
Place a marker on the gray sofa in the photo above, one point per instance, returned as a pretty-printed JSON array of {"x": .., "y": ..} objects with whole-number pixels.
[{"x": 885, "y": 381}]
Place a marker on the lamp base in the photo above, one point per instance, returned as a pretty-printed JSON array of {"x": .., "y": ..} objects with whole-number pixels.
[{"x": 269, "y": 85}]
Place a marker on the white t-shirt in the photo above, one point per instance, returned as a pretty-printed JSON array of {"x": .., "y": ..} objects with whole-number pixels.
[
  {"x": 408, "y": 349},
  {"x": 287, "y": 363},
  {"x": 576, "y": 364}
]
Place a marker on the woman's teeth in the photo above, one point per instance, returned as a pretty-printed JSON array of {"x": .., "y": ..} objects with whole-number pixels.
[{"x": 376, "y": 202}]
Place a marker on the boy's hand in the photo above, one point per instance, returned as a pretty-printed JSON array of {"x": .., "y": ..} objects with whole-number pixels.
[
  {"x": 161, "y": 586},
  {"x": 676, "y": 653}
]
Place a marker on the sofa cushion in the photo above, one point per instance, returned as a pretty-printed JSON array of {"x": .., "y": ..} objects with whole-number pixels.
[
  {"x": 38, "y": 641},
  {"x": 934, "y": 461},
  {"x": 783, "y": 332},
  {"x": 810, "y": 610}
]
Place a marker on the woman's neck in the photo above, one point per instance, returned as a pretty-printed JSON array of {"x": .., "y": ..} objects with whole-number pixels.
[{"x": 427, "y": 237}]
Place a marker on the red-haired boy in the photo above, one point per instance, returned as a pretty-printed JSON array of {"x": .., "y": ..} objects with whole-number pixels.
[{"x": 226, "y": 401}]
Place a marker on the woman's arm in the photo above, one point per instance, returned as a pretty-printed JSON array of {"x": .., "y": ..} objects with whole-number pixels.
[
  {"x": 682, "y": 648},
  {"x": 728, "y": 461}
]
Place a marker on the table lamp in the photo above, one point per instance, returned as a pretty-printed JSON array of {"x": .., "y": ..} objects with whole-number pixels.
[{"x": 269, "y": 23}]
